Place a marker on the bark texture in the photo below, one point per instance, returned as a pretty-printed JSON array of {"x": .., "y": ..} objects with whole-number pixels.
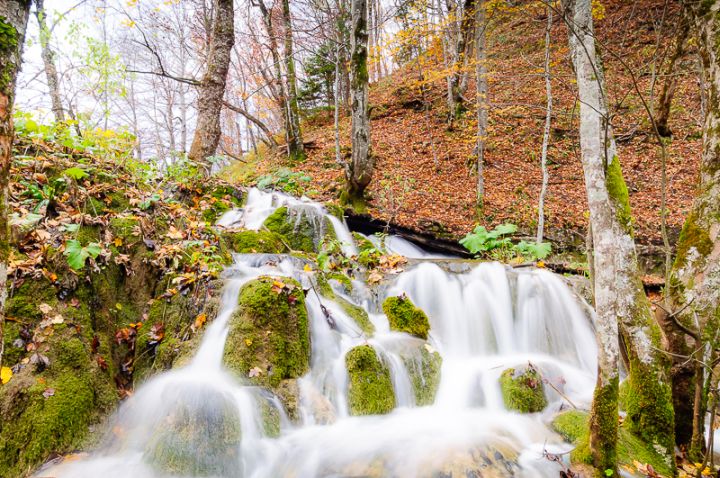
[
  {"x": 48, "y": 57},
  {"x": 481, "y": 84},
  {"x": 212, "y": 86},
  {"x": 695, "y": 278},
  {"x": 622, "y": 308},
  {"x": 295, "y": 141},
  {"x": 360, "y": 170},
  {"x": 13, "y": 24}
]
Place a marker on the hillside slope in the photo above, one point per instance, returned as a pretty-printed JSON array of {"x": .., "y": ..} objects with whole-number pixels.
[{"x": 424, "y": 179}]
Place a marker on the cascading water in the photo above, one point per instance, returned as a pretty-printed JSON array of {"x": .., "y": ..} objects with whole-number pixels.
[{"x": 483, "y": 320}]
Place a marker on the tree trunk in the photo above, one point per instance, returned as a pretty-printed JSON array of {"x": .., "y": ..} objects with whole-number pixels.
[
  {"x": 48, "y": 57},
  {"x": 482, "y": 99},
  {"x": 457, "y": 103},
  {"x": 13, "y": 24},
  {"x": 695, "y": 277},
  {"x": 360, "y": 170},
  {"x": 668, "y": 91},
  {"x": 212, "y": 85},
  {"x": 295, "y": 142},
  {"x": 621, "y": 305},
  {"x": 546, "y": 132}
]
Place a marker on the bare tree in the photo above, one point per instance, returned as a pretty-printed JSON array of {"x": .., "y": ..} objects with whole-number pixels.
[
  {"x": 623, "y": 310},
  {"x": 48, "y": 57},
  {"x": 481, "y": 85},
  {"x": 295, "y": 142},
  {"x": 212, "y": 86},
  {"x": 359, "y": 171},
  {"x": 546, "y": 131},
  {"x": 14, "y": 16}
]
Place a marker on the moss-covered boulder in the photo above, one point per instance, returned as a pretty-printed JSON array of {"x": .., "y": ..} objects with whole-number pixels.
[
  {"x": 200, "y": 436},
  {"x": 269, "y": 338},
  {"x": 355, "y": 312},
  {"x": 424, "y": 369},
  {"x": 523, "y": 390},
  {"x": 267, "y": 242},
  {"x": 51, "y": 411},
  {"x": 305, "y": 227},
  {"x": 405, "y": 317},
  {"x": 574, "y": 427},
  {"x": 370, "y": 390}
]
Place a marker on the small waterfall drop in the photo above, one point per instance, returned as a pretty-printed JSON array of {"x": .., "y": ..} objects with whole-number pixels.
[{"x": 482, "y": 321}]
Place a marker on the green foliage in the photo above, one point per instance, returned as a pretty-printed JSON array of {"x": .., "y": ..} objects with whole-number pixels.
[
  {"x": 76, "y": 173},
  {"x": 77, "y": 254},
  {"x": 318, "y": 84},
  {"x": 497, "y": 244},
  {"x": 285, "y": 180},
  {"x": 481, "y": 241}
]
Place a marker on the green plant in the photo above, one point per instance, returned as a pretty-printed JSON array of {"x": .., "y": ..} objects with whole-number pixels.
[
  {"x": 532, "y": 250},
  {"x": 481, "y": 241},
  {"x": 77, "y": 254},
  {"x": 286, "y": 180},
  {"x": 497, "y": 244}
]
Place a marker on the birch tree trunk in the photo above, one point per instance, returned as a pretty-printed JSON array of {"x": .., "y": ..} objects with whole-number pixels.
[
  {"x": 482, "y": 98},
  {"x": 546, "y": 132},
  {"x": 695, "y": 277},
  {"x": 48, "y": 57},
  {"x": 295, "y": 141},
  {"x": 622, "y": 308},
  {"x": 13, "y": 24},
  {"x": 212, "y": 86},
  {"x": 359, "y": 171}
]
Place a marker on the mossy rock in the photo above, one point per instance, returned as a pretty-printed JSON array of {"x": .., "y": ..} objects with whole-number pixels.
[
  {"x": 523, "y": 390},
  {"x": 48, "y": 412},
  {"x": 199, "y": 437},
  {"x": 370, "y": 390},
  {"x": 269, "y": 332},
  {"x": 357, "y": 313},
  {"x": 574, "y": 427},
  {"x": 125, "y": 228},
  {"x": 244, "y": 242},
  {"x": 405, "y": 317},
  {"x": 424, "y": 369},
  {"x": 304, "y": 228}
]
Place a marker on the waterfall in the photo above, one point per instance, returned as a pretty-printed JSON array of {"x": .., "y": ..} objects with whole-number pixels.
[{"x": 484, "y": 319}]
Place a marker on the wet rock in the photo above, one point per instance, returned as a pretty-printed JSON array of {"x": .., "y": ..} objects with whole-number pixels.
[
  {"x": 523, "y": 390},
  {"x": 424, "y": 366},
  {"x": 405, "y": 317},
  {"x": 269, "y": 337},
  {"x": 370, "y": 391},
  {"x": 304, "y": 226}
]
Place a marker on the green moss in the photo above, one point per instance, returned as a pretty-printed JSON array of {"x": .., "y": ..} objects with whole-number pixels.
[
  {"x": 370, "y": 389},
  {"x": 523, "y": 390},
  {"x": 88, "y": 234},
  {"x": 358, "y": 314},
  {"x": 256, "y": 241},
  {"x": 300, "y": 232},
  {"x": 270, "y": 417},
  {"x": 405, "y": 317},
  {"x": 342, "y": 279},
  {"x": 216, "y": 209},
  {"x": 574, "y": 427},
  {"x": 124, "y": 228},
  {"x": 692, "y": 236},
  {"x": 604, "y": 427},
  {"x": 200, "y": 436},
  {"x": 618, "y": 191},
  {"x": 357, "y": 203},
  {"x": 648, "y": 403},
  {"x": 424, "y": 372},
  {"x": 269, "y": 332}
]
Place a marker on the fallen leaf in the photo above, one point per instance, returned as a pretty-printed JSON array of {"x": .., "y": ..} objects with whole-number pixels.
[
  {"x": 5, "y": 375},
  {"x": 255, "y": 372},
  {"x": 49, "y": 392}
]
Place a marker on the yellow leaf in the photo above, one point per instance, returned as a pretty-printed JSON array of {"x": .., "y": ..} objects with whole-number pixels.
[
  {"x": 540, "y": 264},
  {"x": 248, "y": 342},
  {"x": 118, "y": 241},
  {"x": 5, "y": 375},
  {"x": 307, "y": 268}
]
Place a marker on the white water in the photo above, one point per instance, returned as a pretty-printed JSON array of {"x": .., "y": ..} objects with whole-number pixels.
[{"x": 482, "y": 321}]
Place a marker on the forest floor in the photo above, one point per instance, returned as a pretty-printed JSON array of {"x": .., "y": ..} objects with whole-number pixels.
[{"x": 424, "y": 177}]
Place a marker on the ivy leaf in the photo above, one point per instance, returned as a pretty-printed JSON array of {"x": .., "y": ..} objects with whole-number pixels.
[
  {"x": 75, "y": 173},
  {"x": 93, "y": 249}
]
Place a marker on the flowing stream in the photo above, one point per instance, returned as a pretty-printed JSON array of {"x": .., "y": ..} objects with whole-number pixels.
[{"x": 485, "y": 318}]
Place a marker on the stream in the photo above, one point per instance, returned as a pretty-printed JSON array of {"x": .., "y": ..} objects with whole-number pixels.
[{"x": 484, "y": 317}]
